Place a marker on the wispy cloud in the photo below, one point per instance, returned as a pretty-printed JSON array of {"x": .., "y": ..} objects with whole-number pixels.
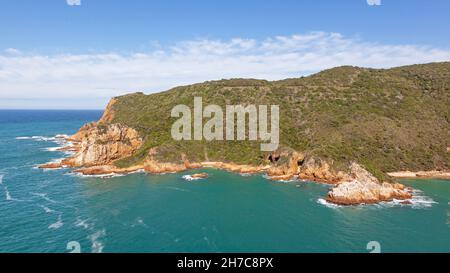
[
  {"x": 374, "y": 2},
  {"x": 12, "y": 51},
  {"x": 73, "y": 2},
  {"x": 78, "y": 77}
]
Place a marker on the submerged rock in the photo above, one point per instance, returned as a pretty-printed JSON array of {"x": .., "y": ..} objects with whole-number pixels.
[
  {"x": 199, "y": 175},
  {"x": 51, "y": 165}
]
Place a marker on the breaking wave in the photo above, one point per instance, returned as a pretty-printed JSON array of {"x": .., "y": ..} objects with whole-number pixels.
[
  {"x": 418, "y": 201},
  {"x": 190, "y": 178},
  {"x": 52, "y": 149},
  {"x": 58, "y": 138},
  {"x": 327, "y": 204},
  {"x": 104, "y": 176}
]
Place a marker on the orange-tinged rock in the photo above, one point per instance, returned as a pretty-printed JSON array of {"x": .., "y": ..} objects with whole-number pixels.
[
  {"x": 199, "y": 176},
  {"x": 51, "y": 165},
  {"x": 364, "y": 188}
]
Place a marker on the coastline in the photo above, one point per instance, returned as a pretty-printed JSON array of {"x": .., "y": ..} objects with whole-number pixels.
[
  {"x": 443, "y": 175},
  {"x": 97, "y": 146},
  {"x": 92, "y": 157}
]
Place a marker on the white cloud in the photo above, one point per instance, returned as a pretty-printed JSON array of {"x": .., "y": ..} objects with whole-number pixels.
[
  {"x": 73, "y": 2},
  {"x": 374, "y": 2},
  {"x": 79, "y": 80},
  {"x": 13, "y": 51}
]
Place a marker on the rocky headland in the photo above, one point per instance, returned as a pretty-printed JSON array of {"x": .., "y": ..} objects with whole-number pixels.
[{"x": 352, "y": 128}]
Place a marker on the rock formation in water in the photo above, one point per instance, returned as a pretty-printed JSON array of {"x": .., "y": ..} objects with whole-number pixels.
[{"x": 363, "y": 188}]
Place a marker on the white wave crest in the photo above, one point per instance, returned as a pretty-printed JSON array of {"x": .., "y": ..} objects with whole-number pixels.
[
  {"x": 61, "y": 136},
  {"x": 43, "y": 138},
  {"x": 47, "y": 209},
  {"x": 8, "y": 195},
  {"x": 104, "y": 176},
  {"x": 52, "y": 149},
  {"x": 190, "y": 178},
  {"x": 418, "y": 201},
  {"x": 58, "y": 224},
  {"x": 82, "y": 223},
  {"x": 57, "y": 138},
  {"x": 294, "y": 179},
  {"x": 22, "y": 138},
  {"x": 97, "y": 245},
  {"x": 327, "y": 204}
]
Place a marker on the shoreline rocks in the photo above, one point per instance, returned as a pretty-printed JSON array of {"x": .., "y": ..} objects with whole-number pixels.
[
  {"x": 51, "y": 165},
  {"x": 364, "y": 188},
  {"x": 421, "y": 174},
  {"x": 242, "y": 169},
  {"x": 98, "y": 145},
  {"x": 107, "y": 170}
]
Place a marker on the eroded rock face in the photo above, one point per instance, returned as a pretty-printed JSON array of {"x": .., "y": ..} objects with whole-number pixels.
[
  {"x": 289, "y": 170},
  {"x": 364, "y": 188},
  {"x": 320, "y": 171},
  {"x": 307, "y": 168},
  {"x": 98, "y": 144},
  {"x": 108, "y": 115}
]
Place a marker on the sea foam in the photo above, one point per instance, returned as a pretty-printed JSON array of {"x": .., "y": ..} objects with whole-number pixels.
[
  {"x": 190, "y": 178},
  {"x": 418, "y": 201}
]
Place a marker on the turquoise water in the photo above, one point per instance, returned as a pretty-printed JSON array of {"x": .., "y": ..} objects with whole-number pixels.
[{"x": 41, "y": 211}]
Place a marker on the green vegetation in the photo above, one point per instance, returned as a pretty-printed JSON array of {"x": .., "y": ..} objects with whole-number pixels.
[{"x": 388, "y": 120}]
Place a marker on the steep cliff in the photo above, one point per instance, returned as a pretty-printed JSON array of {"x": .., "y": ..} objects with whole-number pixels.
[{"x": 99, "y": 144}]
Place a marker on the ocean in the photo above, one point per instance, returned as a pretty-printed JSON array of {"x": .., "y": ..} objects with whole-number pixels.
[{"x": 51, "y": 210}]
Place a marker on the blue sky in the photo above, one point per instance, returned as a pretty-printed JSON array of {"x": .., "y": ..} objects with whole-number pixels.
[{"x": 55, "y": 55}]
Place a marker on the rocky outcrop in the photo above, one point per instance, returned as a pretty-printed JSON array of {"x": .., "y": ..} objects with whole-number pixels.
[
  {"x": 352, "y": 187},
  {"x": 320, "y": 171},
  {"x": 289, "y": 169},
  {"x": 306, "y": 168},
  {"x": 51, "y": 165},
  {"x": 364, "y": 188},
  {"x": 199, "y": 176},
  {"x": 155, "y": 167},
  {"x": 108, "y": 170},
  {"x": 98, "y": 144}
]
